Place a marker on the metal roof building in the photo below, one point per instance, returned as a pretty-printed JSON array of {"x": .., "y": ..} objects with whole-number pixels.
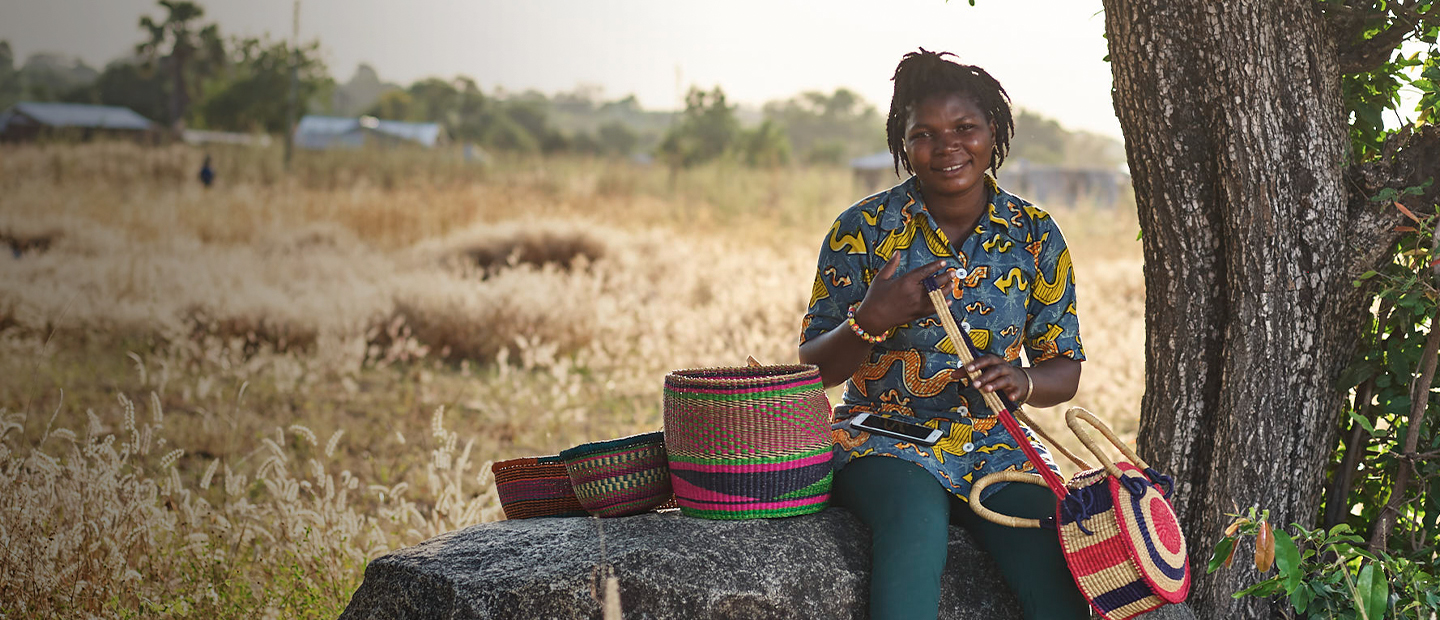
[
  {"x": 28, "y": 119},
  {"x": 328, "y": 132}
]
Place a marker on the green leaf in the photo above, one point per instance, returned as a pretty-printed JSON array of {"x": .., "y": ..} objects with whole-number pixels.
[
  {"x": 1222, "y": 551},
  {"x": 1373, "y": 593},
  {"x": 1287, "y": 559},
  {"x": 1363, "y": 422},
  {"x": 1300, "y": 599},
  {"x": 1262, "y": 589}
]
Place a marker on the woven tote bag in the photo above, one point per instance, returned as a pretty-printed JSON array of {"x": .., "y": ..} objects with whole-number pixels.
[
  {"x": 1117, "y": 530},
  {"x": 748, "y": 442},
  {"x": 620, "y": 477},
  {"x": 535, "y": 487}
]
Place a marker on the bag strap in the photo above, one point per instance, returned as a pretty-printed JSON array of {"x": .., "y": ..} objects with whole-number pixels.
[{"x": 996, "y": 401}]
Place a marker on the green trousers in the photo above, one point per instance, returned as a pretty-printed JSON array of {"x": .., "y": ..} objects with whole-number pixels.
[{"x": 909, "y": 514}]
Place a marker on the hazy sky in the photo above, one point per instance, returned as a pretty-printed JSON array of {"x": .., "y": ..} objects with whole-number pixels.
[{"x": 1047, "y": 53}]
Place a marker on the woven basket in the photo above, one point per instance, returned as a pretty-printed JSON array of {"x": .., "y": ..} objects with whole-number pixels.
[
  {"x": 620, "y": 477},
  {"x": 748, "y": 442},
  {"x": 535, "y": 487}
]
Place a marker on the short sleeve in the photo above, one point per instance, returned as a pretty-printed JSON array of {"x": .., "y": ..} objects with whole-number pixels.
[
  {"x": 1053, "y": 327},
  {"x": 841, "y": 276}
]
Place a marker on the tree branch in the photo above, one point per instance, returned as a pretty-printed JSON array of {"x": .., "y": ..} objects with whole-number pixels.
[
  {"x": 1359, "y": 55},
  {"x": 1406, "y": 160}
]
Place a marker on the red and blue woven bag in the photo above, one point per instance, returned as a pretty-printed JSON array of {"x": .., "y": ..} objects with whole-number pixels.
[
  {"x": 748, "y": 442},
  {"x": 1117, "y": 530}
]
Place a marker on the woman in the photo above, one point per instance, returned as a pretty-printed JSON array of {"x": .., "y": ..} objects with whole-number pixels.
[{"x": 872, "y": 325}]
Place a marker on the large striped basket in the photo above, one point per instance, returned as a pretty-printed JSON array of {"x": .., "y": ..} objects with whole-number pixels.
[
  {"x": 535, "y": 487},
  {"x": 620, "y": 477},
  {"x": 748, "y": 442}
]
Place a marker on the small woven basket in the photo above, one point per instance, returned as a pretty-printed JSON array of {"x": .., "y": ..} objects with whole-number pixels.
[
  {"x": 535, "y": 487},
  {"x": 748, "y": 442},
  {"x": 620, "y": 477}
]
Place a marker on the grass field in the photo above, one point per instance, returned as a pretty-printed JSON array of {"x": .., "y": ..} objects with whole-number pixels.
[{"x": 221, "y": 403}]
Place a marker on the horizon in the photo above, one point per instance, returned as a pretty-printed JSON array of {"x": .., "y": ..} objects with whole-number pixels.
[{"x": 643, "y": 48}]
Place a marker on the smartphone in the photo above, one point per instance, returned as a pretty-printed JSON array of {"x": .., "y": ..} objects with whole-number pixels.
[{"x": 890, "y": 427}]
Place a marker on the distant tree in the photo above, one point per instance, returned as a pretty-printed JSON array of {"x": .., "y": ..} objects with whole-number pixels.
[
  {"x": 1038, "y": 139},
  {"x": 765, "y": 146},
  {"x": 9, "y": 77},
  {"x": 472, "y": 110},
  {"x": 434, "y": 100},
  {"x": 127, "y": 84},
  {"x": 505, "y": 134},
  {"x": 186, "y": 51},
  {"x": 363, "y": 89},
  {"x": 253, "y": 92},
  {"x": 617, "y": 138},
  {"x": 51, "y": 77},
  {"x": 828, "y": 128},
  {"x": 395, "y": 105},
  {"x": 705, "y": 130}
]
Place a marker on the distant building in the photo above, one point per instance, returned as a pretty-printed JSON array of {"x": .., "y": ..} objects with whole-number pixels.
[
  {"x": 1044, "y": 185},
  {"x": 874, "y": 172},
  {"x": 27, "y": 121},
  {"x": 331, "y": 132},
  {"x": 1064, "y": 186}
]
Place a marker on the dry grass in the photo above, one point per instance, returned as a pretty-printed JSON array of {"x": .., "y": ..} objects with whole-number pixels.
[{"x": 251, "y": 383}]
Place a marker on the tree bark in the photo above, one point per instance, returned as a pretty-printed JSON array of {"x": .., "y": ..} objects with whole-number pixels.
[{"x": 1237, "y": 144}]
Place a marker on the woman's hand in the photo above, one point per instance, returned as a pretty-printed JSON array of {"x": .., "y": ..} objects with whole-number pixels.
[
  {"x": 1045, "y": 384},
  {"x": 893, "y": 300},
  {"x": 996, "y": 374}
]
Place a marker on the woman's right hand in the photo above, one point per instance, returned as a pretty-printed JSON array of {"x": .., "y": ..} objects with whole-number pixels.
[{"x": 896, "y": 300}]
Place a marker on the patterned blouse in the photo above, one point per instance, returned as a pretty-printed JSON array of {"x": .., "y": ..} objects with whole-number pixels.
[{"x": 1015, "y": 291}]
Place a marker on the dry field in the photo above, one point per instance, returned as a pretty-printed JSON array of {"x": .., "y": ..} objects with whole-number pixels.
[{"x": 221, "y": 403}]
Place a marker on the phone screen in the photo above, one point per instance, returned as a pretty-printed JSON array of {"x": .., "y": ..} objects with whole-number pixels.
[{"x": 895, "y": 427}]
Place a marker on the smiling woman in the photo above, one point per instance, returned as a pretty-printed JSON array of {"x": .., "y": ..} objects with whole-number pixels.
[{"x": 872, "y": 326}]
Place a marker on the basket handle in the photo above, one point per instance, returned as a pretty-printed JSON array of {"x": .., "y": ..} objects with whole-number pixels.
[
  {"x": 995, "y": 517},
  {"x": 1075, "y": 415}
]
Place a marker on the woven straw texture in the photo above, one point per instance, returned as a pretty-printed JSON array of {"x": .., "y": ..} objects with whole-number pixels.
[
  {"x": 748, "y": 442},
  {"x": 535, "y": 487},
  {"x": 620, "y": 477},
  {"x": 1116, "y": 584}
]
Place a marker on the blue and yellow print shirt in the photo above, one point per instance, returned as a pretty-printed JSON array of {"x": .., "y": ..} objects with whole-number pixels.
[{"x": 1014, "y": 291}]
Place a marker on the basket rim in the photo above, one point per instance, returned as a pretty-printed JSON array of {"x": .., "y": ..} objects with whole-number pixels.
[
  {"x": 749, "y": 375},
  {"x": 527, "y": 461},
  {"x": 586, "y": 449}
]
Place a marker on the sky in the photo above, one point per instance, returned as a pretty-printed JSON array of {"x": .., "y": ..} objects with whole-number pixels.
[{"x": 1046, "y": 53}]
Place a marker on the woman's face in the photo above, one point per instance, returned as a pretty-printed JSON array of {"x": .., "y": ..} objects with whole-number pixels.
[{"x": 948, "y": 141}]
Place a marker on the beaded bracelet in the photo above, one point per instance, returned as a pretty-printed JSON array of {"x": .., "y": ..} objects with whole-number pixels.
[{"x": 855, "y": 327}]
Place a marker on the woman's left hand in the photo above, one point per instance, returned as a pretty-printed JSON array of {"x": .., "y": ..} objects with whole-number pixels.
[{"x": 998, "y": 374}]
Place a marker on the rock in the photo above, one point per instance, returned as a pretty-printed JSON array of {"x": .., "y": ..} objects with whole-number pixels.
[{"x": 668, "y": 566}]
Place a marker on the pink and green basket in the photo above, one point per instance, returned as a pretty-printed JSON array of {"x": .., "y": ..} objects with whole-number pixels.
[
  {"x": 620, "y": 477},
  {"x": 748, "y": 442}
]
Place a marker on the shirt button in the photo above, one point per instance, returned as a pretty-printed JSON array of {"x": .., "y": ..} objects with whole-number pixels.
[
  {"x": 965, "y": 325},
  {"x": 968, "y": 447},
  {"x": 961, "y": 273},
  {"x": 963, "y": 410}
]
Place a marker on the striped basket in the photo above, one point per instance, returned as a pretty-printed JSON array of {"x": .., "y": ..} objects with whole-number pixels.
[
  {"x": 1117, "y": 531},
  {"x": 535, "y": 487},
  {"x": 748, "y": 442},
  {"x": 620, "y": 477}
]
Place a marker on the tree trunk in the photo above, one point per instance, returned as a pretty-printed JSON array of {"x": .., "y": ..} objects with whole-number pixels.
[{"x": 1237, "y": 143}]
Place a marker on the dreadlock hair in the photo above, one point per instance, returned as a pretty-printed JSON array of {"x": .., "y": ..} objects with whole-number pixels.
[{"x": 925, "y": 74}]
